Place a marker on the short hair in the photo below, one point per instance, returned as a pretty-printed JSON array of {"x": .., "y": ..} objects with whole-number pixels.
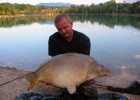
[{"x": 59, "y": 17}]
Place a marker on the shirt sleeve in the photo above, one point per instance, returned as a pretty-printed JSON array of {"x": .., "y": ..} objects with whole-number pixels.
[
  {"x": 85, "y": 46},
  {"x": 51, "y": 47}
]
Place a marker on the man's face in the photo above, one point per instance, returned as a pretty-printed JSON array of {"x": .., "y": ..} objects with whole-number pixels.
[{"x": 65, "y": 28}]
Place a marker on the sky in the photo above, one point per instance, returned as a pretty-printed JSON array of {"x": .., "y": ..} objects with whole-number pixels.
[{"x": 87, "y": 2}]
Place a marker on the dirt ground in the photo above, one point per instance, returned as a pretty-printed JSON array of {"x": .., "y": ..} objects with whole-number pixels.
[{"x": 12, "y": 89}]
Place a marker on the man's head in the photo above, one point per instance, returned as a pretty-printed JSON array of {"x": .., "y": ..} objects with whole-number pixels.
[{"x": 64, "y": 25}]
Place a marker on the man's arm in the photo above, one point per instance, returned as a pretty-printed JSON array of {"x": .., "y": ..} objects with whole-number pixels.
[
  {"x": 85, "y": 46},
  {"x": 51, "y": 47}
]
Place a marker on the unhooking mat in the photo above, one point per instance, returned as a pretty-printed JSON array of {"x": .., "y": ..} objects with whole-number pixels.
[{"x": 59, "y": 96}]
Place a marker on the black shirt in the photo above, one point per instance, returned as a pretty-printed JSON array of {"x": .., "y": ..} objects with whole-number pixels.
[{"x": 79, "y": 44}]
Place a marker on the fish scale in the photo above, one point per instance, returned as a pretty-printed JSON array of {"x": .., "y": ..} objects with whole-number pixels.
[{"x": 67, "y": 71}]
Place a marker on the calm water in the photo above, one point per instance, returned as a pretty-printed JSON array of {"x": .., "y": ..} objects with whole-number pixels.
[{"x": 115, "y": 42}]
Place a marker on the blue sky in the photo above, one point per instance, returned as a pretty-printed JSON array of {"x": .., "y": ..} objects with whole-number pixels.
[{"x": 88, "y": 2}]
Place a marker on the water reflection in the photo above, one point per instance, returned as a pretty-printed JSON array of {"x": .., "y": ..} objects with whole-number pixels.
[
  {"x": 114, "y": 42},
  {"x": 15, "y": 21},
  {"x": 109, "y": 21},
  {"x": 123, "y": 79},
  {"x": 137, "y": 56}
]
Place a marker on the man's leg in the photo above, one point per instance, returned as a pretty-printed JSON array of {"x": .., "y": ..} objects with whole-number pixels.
[{"x": 88, "y": 89}]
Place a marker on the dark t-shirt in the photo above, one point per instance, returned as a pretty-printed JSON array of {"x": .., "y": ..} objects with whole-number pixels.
[{"x": 79, "y": 44}]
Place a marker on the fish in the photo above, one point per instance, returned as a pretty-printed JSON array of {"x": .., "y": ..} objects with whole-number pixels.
[{"x": 67, "y": 70}]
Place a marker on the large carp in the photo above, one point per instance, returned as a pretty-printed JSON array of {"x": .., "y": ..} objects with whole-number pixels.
[{"x": 67, "y": 71}]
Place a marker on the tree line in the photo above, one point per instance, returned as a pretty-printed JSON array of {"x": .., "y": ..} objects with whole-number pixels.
[
  {"x": 110, "y": 7},
  {"x": 102, "y": 8}
]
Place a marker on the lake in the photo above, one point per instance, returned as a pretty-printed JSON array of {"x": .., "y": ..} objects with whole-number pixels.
[{"x": 115, "y": 41}]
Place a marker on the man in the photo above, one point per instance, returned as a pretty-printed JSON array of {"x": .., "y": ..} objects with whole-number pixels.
[{"x": 68, "y": 40}]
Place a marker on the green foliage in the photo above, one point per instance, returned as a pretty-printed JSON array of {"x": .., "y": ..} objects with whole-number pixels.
[
  {"x": 136, "y": 7},
  {"x": 110, "y": 7}
]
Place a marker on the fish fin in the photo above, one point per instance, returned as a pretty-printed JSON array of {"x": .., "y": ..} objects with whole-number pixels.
[
  {"x": 31, "y": 78},
  {"x": 71, "y": 89},
  {"x": 31, "y": 86}
]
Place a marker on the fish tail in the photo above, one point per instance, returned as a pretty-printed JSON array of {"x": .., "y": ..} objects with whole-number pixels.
[{"x": 31, "y": 78}]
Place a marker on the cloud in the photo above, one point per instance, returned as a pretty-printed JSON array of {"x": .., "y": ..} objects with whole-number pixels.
[
  {"x": 137, "y": 56},
  {"x": 122, "y": 79}
]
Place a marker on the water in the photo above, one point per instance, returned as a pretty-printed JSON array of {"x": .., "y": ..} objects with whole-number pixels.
[{"x": 115, "y": 42}]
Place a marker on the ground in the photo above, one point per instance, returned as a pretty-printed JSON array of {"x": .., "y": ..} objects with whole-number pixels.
[{"x": 12, "y": 89}]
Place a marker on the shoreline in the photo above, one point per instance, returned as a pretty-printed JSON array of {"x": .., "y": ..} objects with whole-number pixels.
[
  {"x": 15, "y": 88},
  {"x": 24, "y": 15},
  {"x": 29, "y": 15},
  {"x": 11, "y": 90}
]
